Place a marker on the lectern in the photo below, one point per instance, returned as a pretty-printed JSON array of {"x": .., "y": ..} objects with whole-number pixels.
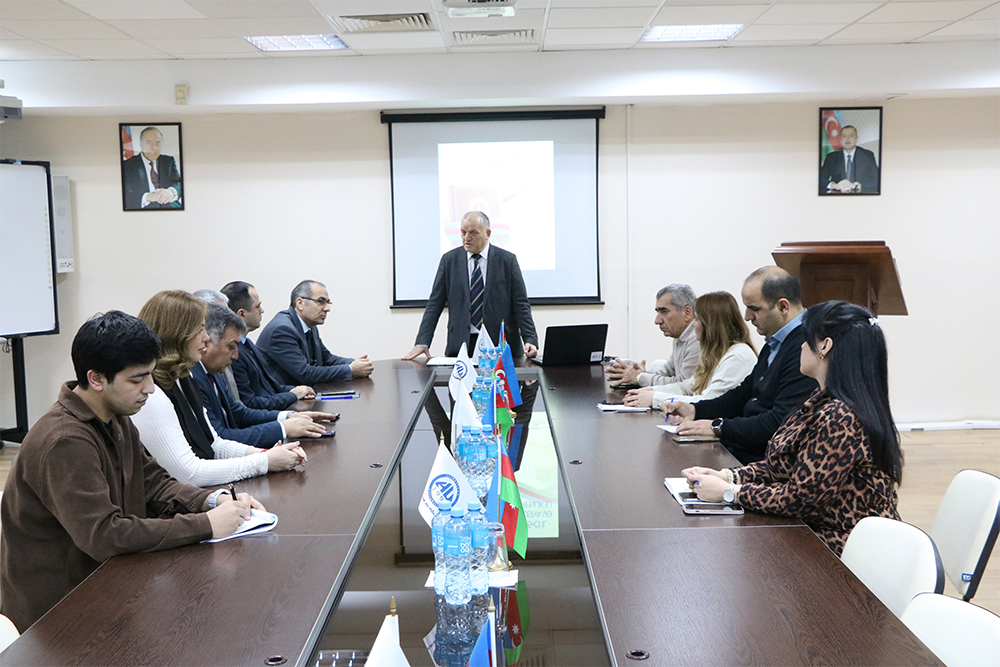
[{"x": 861, "y": 272}]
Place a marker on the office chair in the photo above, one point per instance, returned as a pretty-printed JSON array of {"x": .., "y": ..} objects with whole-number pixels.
[{"x": 959, "y": 634}]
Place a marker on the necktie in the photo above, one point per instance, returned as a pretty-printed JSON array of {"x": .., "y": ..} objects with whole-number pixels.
[
  {"x": 317, "y": 359},
  {"x": 154, "y": 178},
  {"x": 850, "y": 168},
  {"x": 476, "y": 293}
]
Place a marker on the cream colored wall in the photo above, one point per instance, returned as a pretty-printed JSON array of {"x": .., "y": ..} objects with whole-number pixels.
[{"x": 693, "y": 194}]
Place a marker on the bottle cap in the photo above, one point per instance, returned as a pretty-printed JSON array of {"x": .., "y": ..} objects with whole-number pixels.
[
  {"x": 457, "y": 511},
  {"x": 476, "y": 430},
  {"x": 444, "y": 506},
  {"x": 474, "y": 506}
]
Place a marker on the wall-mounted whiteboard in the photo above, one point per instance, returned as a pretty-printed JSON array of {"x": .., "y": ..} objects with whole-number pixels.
[{"x": 27, "y": 264}]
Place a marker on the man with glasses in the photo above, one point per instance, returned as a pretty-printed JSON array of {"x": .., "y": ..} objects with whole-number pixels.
[{"x": 292, "y": 345}]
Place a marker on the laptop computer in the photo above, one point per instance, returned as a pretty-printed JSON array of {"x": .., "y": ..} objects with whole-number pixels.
[{"x": 573, "y": 344}]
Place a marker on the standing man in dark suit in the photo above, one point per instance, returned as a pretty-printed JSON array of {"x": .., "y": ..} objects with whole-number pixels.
[
  {"x": 231, "y": 419},
  {"x": 850, "y": 170},
  {"x": 151, "y": 180},
  {"x": 257, "y": 389},
  {"x": 745, "y": 417},
  {"x": 479, "y": 283},
  {"x": 295, "y": 353}
]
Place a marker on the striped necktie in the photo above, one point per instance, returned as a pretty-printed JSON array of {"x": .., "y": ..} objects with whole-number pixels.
[{"x": 476, "y": 293}]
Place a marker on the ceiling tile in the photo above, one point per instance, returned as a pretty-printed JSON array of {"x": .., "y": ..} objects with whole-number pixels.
[
  {"x": 169, "y": 28},
  {"x": 783, "y": 33},
  {"x": 52, "y": 10},
  {"x": 910, "y": 12},
  {"x": 985, "y": 28},
  {"x": 529, "y": 18},
  {"x": 89, "y": 48},
  {"x": 834, "y": 12},
  {"x": 389, "y": 41},
  {"x": 592, "y": 36},
  {"x": 253, "y": 8},
  {"x": 89, "y": 29},
  {"x": 137, "y": 9},
  {"x": 717, "y": 14},
  {"x": 26, "y": 49},
  {"x": 367, "y": 7},
  {"x": 623, "y": 17},
  {"x": 991, "y": 12},
  {"x": 883, "y": 33},
  {"x": 605, "y": 3},
  {"x": 290, "y": 25},
  {"x": 183, "y": 48}
]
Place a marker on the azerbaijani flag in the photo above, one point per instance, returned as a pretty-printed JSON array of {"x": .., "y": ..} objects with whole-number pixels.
[
  {"x": 501, "y": 403},
  {"x": 517, "y": 622},
  {"x": 832, "y": 125},
  {"x": 514, "y": 524},
  {"x": 505, "y": 373},
  {"x": 128, "y": 149}
]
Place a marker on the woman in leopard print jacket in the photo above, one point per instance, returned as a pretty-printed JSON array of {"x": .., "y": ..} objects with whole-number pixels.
[{"x": 837, "y": 459}]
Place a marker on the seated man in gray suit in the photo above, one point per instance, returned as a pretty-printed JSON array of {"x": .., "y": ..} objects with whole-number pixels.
[
  {"x": 255, "y": 385},
  {"x": 479, "y": 283},
  {"x": 291, "y": 343}
]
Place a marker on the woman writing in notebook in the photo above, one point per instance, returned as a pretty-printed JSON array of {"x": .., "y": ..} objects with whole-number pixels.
[
  {"x": 727, "y": 356},
  {"x": 837, "y": 459}
]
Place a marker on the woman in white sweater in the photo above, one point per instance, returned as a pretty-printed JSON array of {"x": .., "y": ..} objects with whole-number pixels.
[
  {"x": 173, "y": 425},
  {"x": 727, "y": 356}
]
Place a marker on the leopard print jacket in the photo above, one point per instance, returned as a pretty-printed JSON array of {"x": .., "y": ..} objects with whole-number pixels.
[{"x": 819, "y": 468}]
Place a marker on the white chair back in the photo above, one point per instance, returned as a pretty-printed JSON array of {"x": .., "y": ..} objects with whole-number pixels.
[
  {"x": 8, "y": 633},
  {"x": 966, "y": 526},
  {"x": 959, "y": 633},
  {"x": 894, "y": 560}
]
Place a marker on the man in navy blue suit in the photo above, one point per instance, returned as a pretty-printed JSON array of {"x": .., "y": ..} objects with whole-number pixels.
[
  {"x": 258, "y": 389},
  {"x": 229, "y": 418},
  {"x": 294, "y": 351}
]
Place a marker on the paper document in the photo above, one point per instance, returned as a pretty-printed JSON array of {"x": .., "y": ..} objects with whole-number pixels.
[
  {"x": 669, "y": 428},
  {"x": 442, "y": 361},
  {"x": 606, "y": 407},
  {"x": 259, "y": 522}
]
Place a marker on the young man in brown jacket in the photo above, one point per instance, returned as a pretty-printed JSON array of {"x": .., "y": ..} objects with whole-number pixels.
[{"x": 83, "y": 489}]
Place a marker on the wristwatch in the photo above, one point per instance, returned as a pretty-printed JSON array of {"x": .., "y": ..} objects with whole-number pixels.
[
  {"x": 717, "y": 427},
  {"x": 729, "y": 495}
]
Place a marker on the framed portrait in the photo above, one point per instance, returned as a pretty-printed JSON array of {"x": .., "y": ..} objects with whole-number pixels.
[
  {"x": 850, "y": 151},
  {"x": 152, "y": 168}
]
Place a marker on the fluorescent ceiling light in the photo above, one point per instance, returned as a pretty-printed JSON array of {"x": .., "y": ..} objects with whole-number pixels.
[
  {"x": 297, "y": 42},
  {"x": 480, "y": 12},
  {"x": 719, "y": 32}
]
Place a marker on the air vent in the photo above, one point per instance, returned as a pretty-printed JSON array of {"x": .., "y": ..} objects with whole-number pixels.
[
  {"x": 494, "y": 37},
  {"x": 383, "y": 23}
]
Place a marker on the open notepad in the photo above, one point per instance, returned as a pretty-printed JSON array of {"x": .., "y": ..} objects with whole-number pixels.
[
  {"x": 259, "y": 522},
  {"x": 689, "y": 502}
]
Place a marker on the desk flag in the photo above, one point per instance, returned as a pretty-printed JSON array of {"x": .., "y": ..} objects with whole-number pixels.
[
  {"x": 510, "y": 512},
  {"x": 518, "y": 617},
  {"x": 508, "y": 375},
  {"x": 446, "y": 482},
  {"x": 484, "y": 653},
  {"x": 462, "y": 373},
  {"x": 484, "y": 335},
  {"x": 386, "y": 651},
  {"x": 503, "y": 338}
]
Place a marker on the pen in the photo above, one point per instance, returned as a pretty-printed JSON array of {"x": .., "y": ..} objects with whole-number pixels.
[
  {"x": 666, "y": 418},
  {"x": 232, "y": 491}
]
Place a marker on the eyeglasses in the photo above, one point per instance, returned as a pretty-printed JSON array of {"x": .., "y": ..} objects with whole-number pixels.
[{"x": 323, "y": 303}]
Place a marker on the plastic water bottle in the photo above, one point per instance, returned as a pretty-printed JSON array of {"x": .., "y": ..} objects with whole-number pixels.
[
  {"x": 461, "y": 448},
  {"x": 483, "y": 367},
  {"x": 457, "y": 549},
  {"x": 477, "y": 461},
  {"x": 478, "y": 574},
  {"x": 437, "y": 542},
  {"x": 480, "y": 396},
  {"x": 490, "y": 463}
]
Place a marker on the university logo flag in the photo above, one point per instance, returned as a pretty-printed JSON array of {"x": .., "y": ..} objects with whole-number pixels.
[
  {"x": 386, "y": 651},
  {"x": 483, "y": 335},
  {"x": 446, "y": 482},
  {"x": 515, "y": 524},
  {"x": 505, "y": 372},
  {"x": 462, "y": 373},
  {"x": 484, "y": 651},
  {"x": 517, "y": 622},
  {"x": 463, "y": 413}
]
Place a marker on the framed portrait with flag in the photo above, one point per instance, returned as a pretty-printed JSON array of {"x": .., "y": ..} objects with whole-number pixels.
[
  {"x": 152, "y": 176},
  {"x": 850, "y": 151}
]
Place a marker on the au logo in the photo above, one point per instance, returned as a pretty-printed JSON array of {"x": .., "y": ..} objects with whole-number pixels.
[
  {"x": 443, "y": 487},
  {"x": 461, "y": 370}
]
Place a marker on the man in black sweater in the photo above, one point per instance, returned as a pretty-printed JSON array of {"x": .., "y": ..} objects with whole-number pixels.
[{"x": 745, "y": 417}]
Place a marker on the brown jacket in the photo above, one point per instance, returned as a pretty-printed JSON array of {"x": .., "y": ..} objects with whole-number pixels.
[{"x": 81, "y": 491}]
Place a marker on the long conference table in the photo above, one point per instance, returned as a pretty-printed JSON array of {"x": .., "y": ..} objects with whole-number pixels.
[{"x": 643, "y": 578}]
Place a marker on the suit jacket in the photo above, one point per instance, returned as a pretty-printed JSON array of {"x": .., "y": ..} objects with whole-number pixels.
[
  {"x": 256, "y": 386},
  {"x": 294, "y": 358},
  {"x": 754, "y": 410},
  {"x": 865, "y": 169},
  {"x": 233, "y": 420},
  {"x": 505, "y": 298},
  {"x": 136, "y": 184}
]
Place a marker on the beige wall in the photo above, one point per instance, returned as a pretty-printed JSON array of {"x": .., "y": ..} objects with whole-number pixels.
[{"x": 696, "y": 194}]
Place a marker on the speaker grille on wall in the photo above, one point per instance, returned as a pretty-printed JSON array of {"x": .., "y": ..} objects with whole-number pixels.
[{"x": 62, "y": 218}]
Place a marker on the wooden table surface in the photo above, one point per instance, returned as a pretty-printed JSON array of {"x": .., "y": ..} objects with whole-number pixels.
[{"x": 753, "y": 590}]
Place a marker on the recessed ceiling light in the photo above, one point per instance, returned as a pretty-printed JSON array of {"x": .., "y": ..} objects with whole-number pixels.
[
  {"x": 463, "y": 9},
  {"x": 719, "y": 32},
  {"x": 297, "y": 42}
]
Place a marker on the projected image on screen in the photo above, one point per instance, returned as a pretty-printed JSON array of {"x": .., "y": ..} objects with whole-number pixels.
[{"x": 513, "y": 183}]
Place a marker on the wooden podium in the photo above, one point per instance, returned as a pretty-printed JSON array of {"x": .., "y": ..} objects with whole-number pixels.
[{"x": 862, "y": 272}]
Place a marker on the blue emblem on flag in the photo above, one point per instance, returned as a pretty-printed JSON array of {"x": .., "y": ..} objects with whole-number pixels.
[
  {"x": 461, "y": 370},
  {"x": 443, "y": 487}
]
